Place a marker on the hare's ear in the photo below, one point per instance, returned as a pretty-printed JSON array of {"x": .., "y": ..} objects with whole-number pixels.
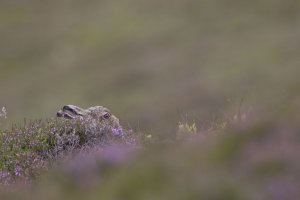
[
  {"x": 74, "y": 110},
  {"x": 64, "y": 115}
]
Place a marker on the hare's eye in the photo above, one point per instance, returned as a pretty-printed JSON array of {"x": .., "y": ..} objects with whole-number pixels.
[{"x": 106, "y": 116}]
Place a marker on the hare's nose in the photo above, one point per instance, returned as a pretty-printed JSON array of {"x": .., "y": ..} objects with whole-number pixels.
[{"x": 59, "y": 114}]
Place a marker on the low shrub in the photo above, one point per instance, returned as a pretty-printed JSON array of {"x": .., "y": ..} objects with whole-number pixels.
[{"x": 28, "y": 149}]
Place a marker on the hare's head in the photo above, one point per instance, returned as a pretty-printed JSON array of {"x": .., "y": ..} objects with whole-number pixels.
[{"x": 100, "y": 114}]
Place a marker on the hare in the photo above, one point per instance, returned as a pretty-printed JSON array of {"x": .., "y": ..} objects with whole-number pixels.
[{"x": 99, "y": 114}]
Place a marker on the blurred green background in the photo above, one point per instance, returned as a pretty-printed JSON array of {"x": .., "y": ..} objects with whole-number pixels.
[{"x": 153, "y": 63}]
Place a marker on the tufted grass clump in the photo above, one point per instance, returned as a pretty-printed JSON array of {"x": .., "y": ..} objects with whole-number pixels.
[
  {"x": 26, "y": 150},
  {"x": 185, "y": 129}
]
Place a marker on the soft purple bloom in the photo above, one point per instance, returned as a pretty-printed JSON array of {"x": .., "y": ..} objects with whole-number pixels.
[
  {"x": 3, "y": 175},
  {"x": 18, "y": 171},
  {"x": 115, "y": 154},
  {"x": 117, "y": 131},
  {"x": 5, "y": 178}
]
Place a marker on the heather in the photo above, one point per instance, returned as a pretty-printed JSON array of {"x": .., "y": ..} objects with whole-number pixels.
[
  {"x": 253, "y": 158},
  {"x": 206, "y": 91},
  {"x": 34, "y": 146}
]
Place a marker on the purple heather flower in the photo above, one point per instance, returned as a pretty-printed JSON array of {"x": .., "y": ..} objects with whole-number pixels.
[
  {"x": 18, "y": 171},
  {"x": 3, "y": 175},
  {"x": 5, "y": 178},
  {"x": 117, "y": 131}
]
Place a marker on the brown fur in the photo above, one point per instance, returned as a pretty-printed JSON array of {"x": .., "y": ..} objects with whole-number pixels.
[{"x": 99, "y": 113}]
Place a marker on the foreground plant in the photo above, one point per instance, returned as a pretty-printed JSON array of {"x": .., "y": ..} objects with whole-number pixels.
[{"x": 26, "y": 150}]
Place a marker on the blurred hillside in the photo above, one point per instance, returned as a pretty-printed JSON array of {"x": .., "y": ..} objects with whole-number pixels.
[{"x": 152, "y": 63}]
